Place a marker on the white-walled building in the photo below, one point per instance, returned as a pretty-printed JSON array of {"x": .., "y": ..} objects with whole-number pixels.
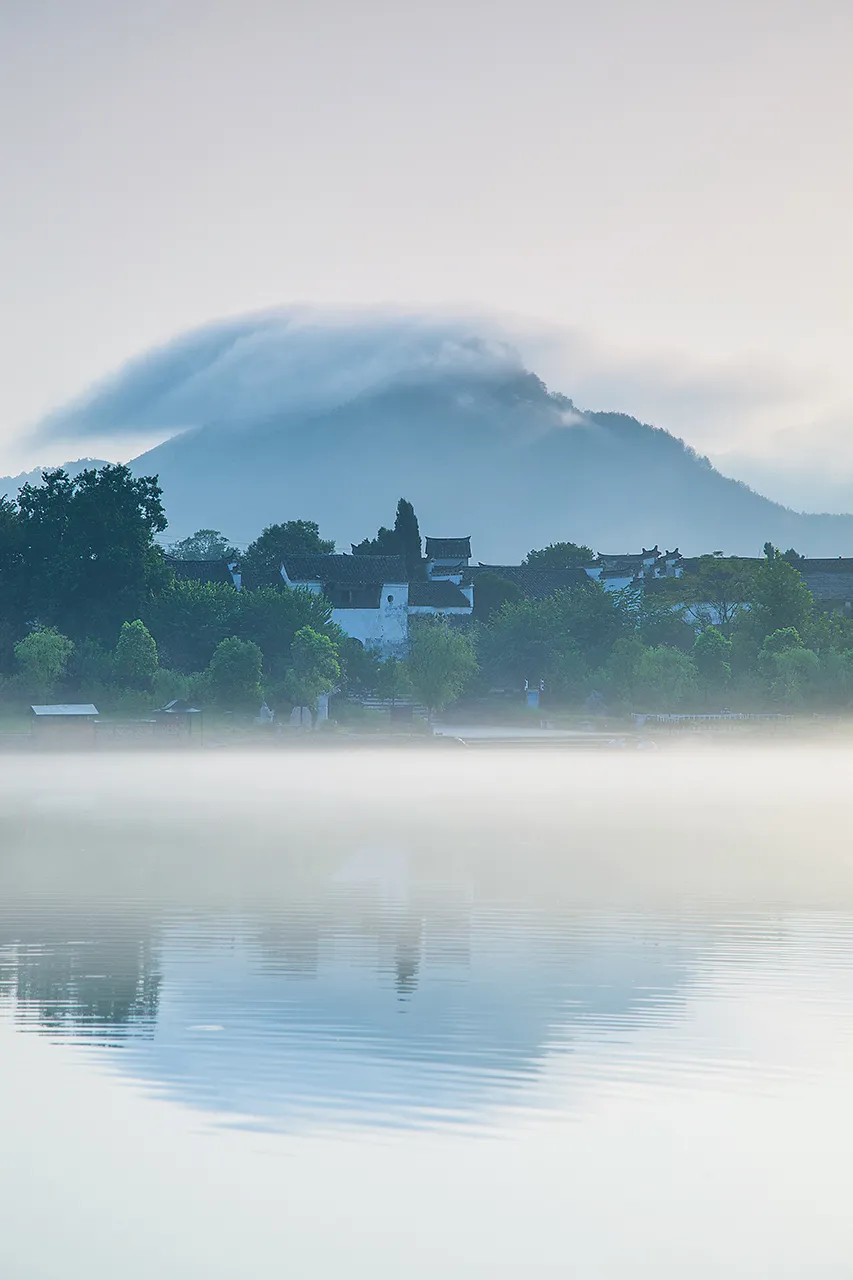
[
  {"x": 446, "y": 597},
  {"x": 448, "y": 558},
  {"x": 372, "y": 599},
  {"x": 369, "y": 595},
  {"x": 615, "y": 572}
]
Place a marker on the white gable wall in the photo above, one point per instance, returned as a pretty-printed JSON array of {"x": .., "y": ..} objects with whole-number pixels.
[{"x": 385, "y": 629}]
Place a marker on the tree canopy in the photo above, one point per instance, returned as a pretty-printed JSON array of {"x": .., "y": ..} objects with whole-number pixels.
[
  {"x": 441, "y": 662},
  {"x": 136, "y": 659},
  {"x": 560, "y": 555},
  {"x": 188, "y": 620},
  {"x": 232, "y": 681},
  {"x": 263, "y": 557},
  {"x": 79, "y": 553},
  {"x": 492, "y": 592},
  {"x": 314, "y": 668},
  {"x": 403, "y": 540},
  {"x": 204, "y": 544},
  {"x": 42, "y": 658}
]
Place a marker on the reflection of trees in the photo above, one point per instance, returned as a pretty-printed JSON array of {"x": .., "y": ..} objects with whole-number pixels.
[
  {"x": 406, "y": 965},
  {"x": 292, "y": 944},
  {"x": 102, "y": 981}
]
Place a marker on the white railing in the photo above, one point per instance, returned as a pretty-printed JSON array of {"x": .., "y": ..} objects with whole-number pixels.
[{"x": 676, "y": 717}]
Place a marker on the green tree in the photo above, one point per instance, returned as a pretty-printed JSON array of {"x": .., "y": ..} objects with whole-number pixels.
[
  {"x": 189, "y": 619},
  {"x": 87, "y": 557},
  {"x": 42, "y": 658},
  {"x": 408, "y": 534},
  {"x": 783, "y": 639},
  {"x": 560, "y": 555},
  {"x": 834, "y": 686},
  {"x": 620, "y": 669},
  {"x": 712, "y": 654},
  {"x": 135, "y": 662},
  {"x": 232, "y": 681},
  {"x": 491, "y": 593},
  {"x": 394, "y": 681},
  {"x": 272, "y": 618},
  {"x": 660, "y": 619},
  {"x": 262, "y": 561},
  {"x": 90, "y": 669},
  {"x": 384, "y": 544},
  {"x": 441, "y": 662},
  {"x": 314, "y": 668},
  {"x": 13, "y": 581},
  {"x": 666, "y": 679},
  {"x": 780, "y": 597},
  {"x": 403, "y": 540},
  {"x": 795, "y": 676},
  {"x": 716, "y": 592},
  {"x": 537, "y": 639},
  {"x": 204, "y": 544},
  {"x": 360, "y": 667}
]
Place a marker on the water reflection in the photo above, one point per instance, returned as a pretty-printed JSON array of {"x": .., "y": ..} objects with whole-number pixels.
[
  {"x": 400, "y": 1016},
  {"x": 61, "y": 981},
  {"x": 250, "y": 951},
  {"x": 259, "y": 1016}
]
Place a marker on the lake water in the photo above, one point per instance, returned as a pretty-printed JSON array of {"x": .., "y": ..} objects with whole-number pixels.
[{"x": 427, "y": 1013}]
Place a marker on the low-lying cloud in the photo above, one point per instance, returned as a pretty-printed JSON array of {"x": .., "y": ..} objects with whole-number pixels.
[
  {"x": 292, "y": 361},
  {"x": 303, "y": 359}
]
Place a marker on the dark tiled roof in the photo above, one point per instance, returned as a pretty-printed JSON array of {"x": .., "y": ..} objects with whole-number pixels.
[
  {"x": 438, "y": 595},
  {"x": 839, "y": 564},
  {"x": 447, "y": 570},
  {"x": 535, "y": 584},
  {"x": 631, "y": 558},
  {"x": 346, "y": 571},
  {"x": 829, "y": 586},
  {"x": 256, "y": 581},
  {"x": 448, "y": 548},
  {"x": 200, "y": 570},
  {"x": 690, "y": 564}
]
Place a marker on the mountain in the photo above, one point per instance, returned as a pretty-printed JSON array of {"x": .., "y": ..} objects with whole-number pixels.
[
  {"x": 9, "y": 485},
  {"x": 299, "y": 414},
  {"x": 504, "y": 461}
]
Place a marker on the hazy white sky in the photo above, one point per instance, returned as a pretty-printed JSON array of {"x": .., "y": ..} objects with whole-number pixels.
[{"x": 668, "y": 182}]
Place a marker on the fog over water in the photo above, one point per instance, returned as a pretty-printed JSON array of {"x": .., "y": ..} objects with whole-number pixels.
[{"x": 426, "y": 1012}]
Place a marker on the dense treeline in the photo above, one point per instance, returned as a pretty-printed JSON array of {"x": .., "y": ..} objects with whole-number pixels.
[
  {"x": 90, "y": 609},
  {"x": 742, "y": 635}
]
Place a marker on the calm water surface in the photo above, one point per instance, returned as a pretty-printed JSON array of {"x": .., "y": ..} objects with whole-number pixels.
[{"x": 426, "y": 1014}]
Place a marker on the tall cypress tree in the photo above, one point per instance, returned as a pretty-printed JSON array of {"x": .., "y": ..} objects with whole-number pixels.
[
  {"x": 409, "y": 538},
  {"x": 403, "y": 540}
]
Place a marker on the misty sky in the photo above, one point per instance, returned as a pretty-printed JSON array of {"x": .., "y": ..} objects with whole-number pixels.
[{"x": 660, "y": 190}]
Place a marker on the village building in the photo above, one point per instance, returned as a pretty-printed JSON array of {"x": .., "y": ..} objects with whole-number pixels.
[
  {"x": 830, "y": 581},
  {"x": 446, "y": 597},
  {"x": 369, "y": 595},
  {"x": 373, "y": 596},
  {"x": 534, "y": 584},
  {"x": 205, "y": 571},
  {"x": 64, "y": 724},
  {"x": 447, "y": 558},
  {"x": 635, "y": 569}
]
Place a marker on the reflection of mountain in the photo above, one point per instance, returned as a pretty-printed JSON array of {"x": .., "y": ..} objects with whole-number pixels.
[{"x": 347, "y": 1008}]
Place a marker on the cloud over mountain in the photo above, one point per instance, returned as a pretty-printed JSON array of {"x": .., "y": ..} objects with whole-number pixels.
[
  {"x": 280, "y": 363},
  {"x": 333, "y": 416}
]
